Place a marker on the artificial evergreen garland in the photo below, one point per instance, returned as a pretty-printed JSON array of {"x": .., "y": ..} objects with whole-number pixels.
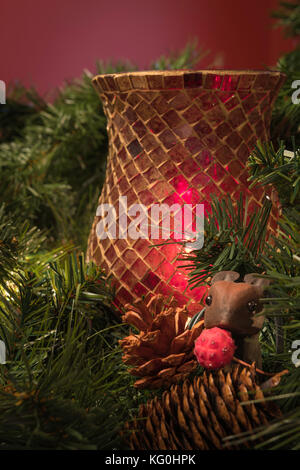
[
  {"x": 64, "y": 384},
  {"x": 286, "y": 115}
]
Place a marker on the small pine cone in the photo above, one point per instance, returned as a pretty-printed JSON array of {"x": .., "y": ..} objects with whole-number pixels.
[
  {"x": 198, "y": 415},
  {"x": 162, "y": 353}
]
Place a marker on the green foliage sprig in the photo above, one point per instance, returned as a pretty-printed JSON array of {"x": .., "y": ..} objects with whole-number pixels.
[
  {"x": 63, "y": 372},
  {"x": 187, "y": 58},
  {"x": 279, "y": 168},
  {"x": 286, "y": 113},
  {"x": 234, "y": 240},
  {"x": 289, "y": 16}
]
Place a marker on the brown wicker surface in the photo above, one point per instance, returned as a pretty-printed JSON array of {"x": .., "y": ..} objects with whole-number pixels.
[{"x": 176, "y": 137}]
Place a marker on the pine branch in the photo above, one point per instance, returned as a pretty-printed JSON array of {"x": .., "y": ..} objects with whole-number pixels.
[
  {"x": 286, "y": 113},
  {"x": 22, "y": 106},
  {"x": 63, "y": 367},
  {"x": 279, "y": 168},
  {"x": 289, "y": 17},
  {"x": 234, "y": 240},
  {"x": 186, "y": 58}
]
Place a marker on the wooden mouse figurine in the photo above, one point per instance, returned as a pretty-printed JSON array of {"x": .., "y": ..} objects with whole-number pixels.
[{"x": 236, "y": 307}]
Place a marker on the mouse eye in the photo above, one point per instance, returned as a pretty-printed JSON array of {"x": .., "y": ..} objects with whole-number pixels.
[
  {"x": 208, "y": 300},
  {"x": 252, "y": 306}
]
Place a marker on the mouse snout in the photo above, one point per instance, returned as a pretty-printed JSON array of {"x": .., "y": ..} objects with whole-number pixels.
[
  {"x": 222, "y": 320},
  {"x": 236, "y": 322}
]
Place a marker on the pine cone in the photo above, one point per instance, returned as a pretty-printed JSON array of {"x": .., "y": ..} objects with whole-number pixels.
[
  {"x": 198, "y": 415},
  {"x": 162, "y": 352}
]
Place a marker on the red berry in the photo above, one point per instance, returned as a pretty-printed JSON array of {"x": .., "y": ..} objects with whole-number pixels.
[{"x": 214, "y": 348}]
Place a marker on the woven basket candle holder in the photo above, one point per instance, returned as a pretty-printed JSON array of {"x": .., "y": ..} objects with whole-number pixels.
[{"x": 176, "y": 137}]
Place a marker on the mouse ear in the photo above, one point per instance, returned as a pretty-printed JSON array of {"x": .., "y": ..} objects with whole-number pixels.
[
  {"x": 261, "y": 282},
  {"x": 225, "y": 276}
]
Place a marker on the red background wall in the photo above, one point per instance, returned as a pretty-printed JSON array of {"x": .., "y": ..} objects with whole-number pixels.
[{"x": 45, "y": 42}]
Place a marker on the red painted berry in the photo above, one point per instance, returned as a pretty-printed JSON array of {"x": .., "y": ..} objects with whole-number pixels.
[{"x": 214, "y": 348}]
